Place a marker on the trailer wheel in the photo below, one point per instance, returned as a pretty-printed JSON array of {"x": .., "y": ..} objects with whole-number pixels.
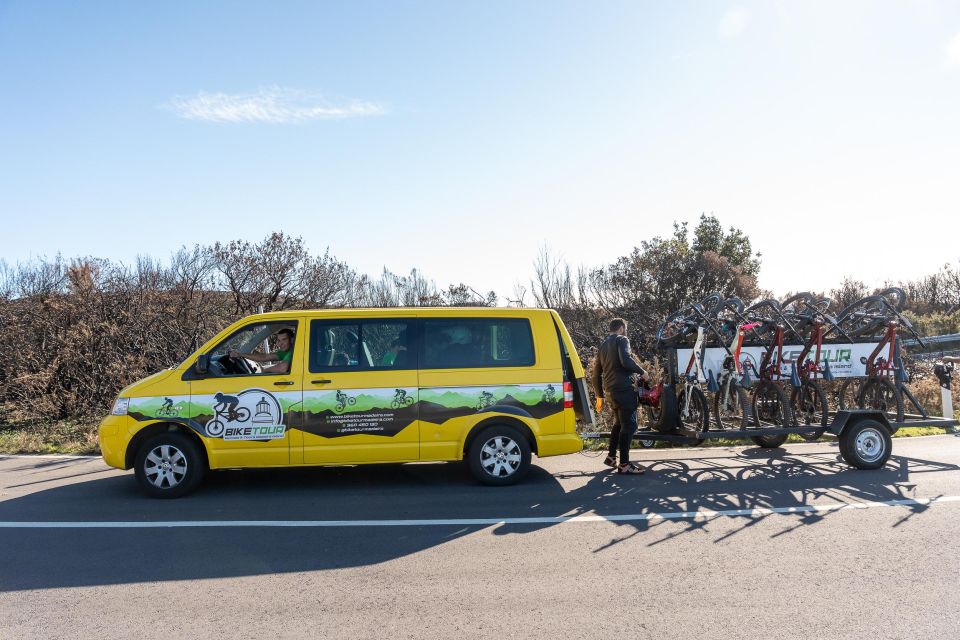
[{"x": 866, "y": 444}]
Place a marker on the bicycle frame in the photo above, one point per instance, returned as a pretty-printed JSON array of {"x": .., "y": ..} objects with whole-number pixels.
[
  {"x": 809, "y": 369},
  {"x": 877, "y": 367},
  {"x": 770, "y": 366}
]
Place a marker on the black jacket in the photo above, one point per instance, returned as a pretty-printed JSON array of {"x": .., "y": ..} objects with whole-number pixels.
[{"x": 614, "y": 367}]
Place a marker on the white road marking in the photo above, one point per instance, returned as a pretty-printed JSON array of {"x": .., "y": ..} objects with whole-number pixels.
[{"x": 445, "y": 522}]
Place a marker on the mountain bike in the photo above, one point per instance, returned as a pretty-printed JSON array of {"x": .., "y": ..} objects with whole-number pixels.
[
  {"x": 808, "y": 400},
  {"x": 864, "y": 318},
  {"x": 731, "y": 402},
  {"x": 769, "y": 403},
  {"x": 693, "y": 410}
]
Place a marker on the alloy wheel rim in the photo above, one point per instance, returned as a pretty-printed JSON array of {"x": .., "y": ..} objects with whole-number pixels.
[
  {"x": 165, "y": 466},
  {"x": 500, "y": 456}
]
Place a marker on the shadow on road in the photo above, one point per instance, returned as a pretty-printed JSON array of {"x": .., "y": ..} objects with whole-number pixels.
[{"x": 48, "y": 558}]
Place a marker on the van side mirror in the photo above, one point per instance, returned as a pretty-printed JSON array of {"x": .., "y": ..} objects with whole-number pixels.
[{"x": 203, "y": 364}]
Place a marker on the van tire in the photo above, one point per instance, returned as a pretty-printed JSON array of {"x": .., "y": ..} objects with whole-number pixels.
[
  {"x": 499, "y": 455},
  {"x": 160, "y": 457}
]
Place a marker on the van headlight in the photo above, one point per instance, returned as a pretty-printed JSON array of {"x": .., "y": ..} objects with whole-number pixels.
[{"x": 120, "y": 407}]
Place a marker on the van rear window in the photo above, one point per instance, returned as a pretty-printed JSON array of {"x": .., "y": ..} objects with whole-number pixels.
[{"x": 464, "y": 343}]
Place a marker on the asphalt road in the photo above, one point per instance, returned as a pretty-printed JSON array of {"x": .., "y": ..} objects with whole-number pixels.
[{"x": 574, "y": 551}]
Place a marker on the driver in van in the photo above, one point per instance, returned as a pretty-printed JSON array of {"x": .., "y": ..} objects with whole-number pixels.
[{"x": 283, "y": 356}]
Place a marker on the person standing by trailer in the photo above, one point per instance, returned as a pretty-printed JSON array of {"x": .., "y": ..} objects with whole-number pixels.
[{"x": 613, "y": 377}]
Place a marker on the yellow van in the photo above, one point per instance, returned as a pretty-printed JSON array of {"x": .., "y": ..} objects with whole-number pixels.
[{"x": 357, "y": 386}]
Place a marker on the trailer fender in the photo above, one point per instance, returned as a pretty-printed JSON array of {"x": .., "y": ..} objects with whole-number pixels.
[{"x": 846, "y": 418}]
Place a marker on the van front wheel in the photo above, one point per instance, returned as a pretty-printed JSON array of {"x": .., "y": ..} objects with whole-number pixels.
[
  {"x": 169, "y": 465},
  {"x": 499, "y": 456}
]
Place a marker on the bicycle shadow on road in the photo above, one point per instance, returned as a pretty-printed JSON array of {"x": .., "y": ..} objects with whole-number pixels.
[
  {"x": 754, "y": 481},
  {"x": 51, "y": 558}
]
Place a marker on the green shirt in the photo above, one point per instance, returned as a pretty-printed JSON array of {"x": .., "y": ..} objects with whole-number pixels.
[{"x": 285, "y": 356}]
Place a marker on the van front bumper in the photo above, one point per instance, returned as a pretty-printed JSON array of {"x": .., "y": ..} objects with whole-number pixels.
[
  {"x": 558, "y": 445},
  {"x": 114, "y": 438}
]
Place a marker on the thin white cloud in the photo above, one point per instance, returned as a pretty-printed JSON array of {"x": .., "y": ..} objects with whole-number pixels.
[
  {"x": 276, "y": 105},
  {"x": 953, "y": 51},
  {"x": 733, "y": 23}
]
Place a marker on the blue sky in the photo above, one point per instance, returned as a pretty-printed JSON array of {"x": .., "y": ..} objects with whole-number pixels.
[{"x": 458, "y": 137}]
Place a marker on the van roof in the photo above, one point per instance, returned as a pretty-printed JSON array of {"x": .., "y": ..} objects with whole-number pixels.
[{"x": 387, "y": 311}]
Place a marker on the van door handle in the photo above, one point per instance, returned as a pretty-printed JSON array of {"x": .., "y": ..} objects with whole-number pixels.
[
  {"x": 283, "y": 383},
  {"x": 321, "y": 381}
]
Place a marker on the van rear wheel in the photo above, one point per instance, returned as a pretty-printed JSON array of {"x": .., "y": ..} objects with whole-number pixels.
[
  {"x": 169, "y": 465},
  {"x": 499, "y": 456}
]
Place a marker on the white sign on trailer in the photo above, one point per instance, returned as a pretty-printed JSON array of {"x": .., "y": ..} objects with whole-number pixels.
[{"x": 845, "y": 360}]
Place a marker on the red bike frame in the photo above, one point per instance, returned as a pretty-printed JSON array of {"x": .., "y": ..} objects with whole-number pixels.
[
  {"x": 810, "y": 368},
  {"x": 770, "y": 367},
  {"x": 877, "y": 367}
]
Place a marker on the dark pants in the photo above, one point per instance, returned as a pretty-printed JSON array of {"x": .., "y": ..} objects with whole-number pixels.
[{"x": 624, "y": 405}]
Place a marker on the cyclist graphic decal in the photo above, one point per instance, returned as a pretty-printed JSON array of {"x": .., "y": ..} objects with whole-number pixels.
[
  {"x": 401, "y": 399},
  {"x": 168, "y": 409},
  {"x": 343, "y": 400},
  {"x": 486, "y": 400},
  {"x": 549, "y": 395}
]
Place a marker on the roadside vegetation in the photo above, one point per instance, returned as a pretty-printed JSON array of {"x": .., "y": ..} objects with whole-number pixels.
[{"x": 74, "y": 332}]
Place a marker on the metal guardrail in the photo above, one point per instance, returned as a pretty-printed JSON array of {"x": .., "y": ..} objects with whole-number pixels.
[{"x": 934, "y": 346}]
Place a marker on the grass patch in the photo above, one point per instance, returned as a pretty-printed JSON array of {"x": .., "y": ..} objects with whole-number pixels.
[{"x": 70, "y": 437}]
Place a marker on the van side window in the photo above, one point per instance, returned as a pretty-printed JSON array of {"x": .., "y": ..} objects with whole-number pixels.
[
  {"x": 361, "y": 345},
  {"x": 464, "y": 343}
]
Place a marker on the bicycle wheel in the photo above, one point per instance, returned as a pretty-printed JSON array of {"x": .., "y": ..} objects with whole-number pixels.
[
  {"x": 243, "y": 414},
  {"x": 694, "y": 414},
  {"x": 848, "y": 393},
  {"x": 395, "y": 404},
  {"x": 797, "y": 302},
  {"x": 730, "y": 408},
  {"x": 895, "y": 296},
  {"x": 881, "y": 394},
  {"x": 771, "y": 408},
  {"x": 711, "y": 302},
  {"x": 808, "y": 403},
  {"x": 732, "y": 303},
  {"x": 864, "y": 317},
  {"x": 677, "y": 327}
]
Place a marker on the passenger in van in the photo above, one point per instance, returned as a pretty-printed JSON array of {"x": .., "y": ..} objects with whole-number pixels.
[
  {"x": 613, "y": 377},
  {"x": 459, "y": 350},
  {"x": 396, "y": 355},
  {"x": 283, "y": 356}
]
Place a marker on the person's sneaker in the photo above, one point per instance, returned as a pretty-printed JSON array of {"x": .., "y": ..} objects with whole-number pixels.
[
  {"x": 610, "y": 461},
  {"x": 631, "y": 468}
]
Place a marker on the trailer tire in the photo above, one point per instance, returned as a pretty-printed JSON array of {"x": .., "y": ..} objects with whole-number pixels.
[{"x": 866, "y": 444}]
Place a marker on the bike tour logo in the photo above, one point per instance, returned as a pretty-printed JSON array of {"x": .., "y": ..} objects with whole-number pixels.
[{"x": 253, "y": 414}]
